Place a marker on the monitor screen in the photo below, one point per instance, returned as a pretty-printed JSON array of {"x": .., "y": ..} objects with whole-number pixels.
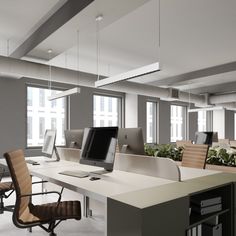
[
  {"x": 99, "y": 146},
  {"x": 49, "y": 142},
  {"x": 74, "y": 138},
  {"x": 130, "y": 140},
  {"x": 206, "y": 137}
]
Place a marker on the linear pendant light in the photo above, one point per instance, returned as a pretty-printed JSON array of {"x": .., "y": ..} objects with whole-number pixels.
[
  {"x": 212, "y": 108},
  {"x": 145, "y": 70},
  {"x": 64, "y": 93}
]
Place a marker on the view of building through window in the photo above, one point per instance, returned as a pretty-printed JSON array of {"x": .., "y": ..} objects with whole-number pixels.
[
  {"x": 151, "y": 115},
  {"x": 44, "y": 114},
  {"x": 178, "y": 123},
  {"x": 202, "y": 121},
  {"x": 106, "y": 111}
]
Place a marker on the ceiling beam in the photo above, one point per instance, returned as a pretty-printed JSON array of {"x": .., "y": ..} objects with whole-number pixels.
[
  {"x": 214, "y": 70},
  {"x": 215, "y": 89},
  {"x": 59, "y": 18}
]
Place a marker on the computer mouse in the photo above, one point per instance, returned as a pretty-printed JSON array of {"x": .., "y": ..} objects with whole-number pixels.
[{"x": 94, "y": 178}]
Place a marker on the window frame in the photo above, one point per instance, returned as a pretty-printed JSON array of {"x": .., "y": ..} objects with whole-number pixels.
[
  {"x": 155, "y": 119},
  {"x": 121, "y": 106},
  {"x": 185, "y": 120},
  {"x": 33, "y": 85}
]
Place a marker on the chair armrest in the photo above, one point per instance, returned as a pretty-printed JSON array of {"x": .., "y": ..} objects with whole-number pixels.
[
  {"x": 40, "y": 182},
  {"x": 43, "y": 193},
  {"x": 2, "y": 174}
]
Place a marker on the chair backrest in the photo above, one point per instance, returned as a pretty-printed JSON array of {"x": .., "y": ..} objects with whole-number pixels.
[
  {"x": 146, "y": 165},
  {"x": 182, "y": 143},
  {"x": 22, "y": 181},
  {"x": 232, "y": 143},
  {"x": 195, "y": 155},
  {"x": 225, "y": 140}
]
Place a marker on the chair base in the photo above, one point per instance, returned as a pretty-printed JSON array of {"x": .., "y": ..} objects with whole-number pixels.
[
  {"x": 52, "y": 234},
  {"x": 3, "y": 208}
]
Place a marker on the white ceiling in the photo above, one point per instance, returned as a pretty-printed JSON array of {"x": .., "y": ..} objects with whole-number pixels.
[
  {"x": 18, "y": 19},
  {"x": 194, "y": 35}
]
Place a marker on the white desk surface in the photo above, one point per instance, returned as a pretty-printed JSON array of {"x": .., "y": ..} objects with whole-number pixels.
[
  {"x": 111, "y": 184},
  {"x": 114, "y": 183},
  {"x": 191, "y": 173}
]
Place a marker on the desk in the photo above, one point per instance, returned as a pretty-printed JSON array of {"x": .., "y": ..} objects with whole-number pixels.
[
  {"x": 111, "y": 184},
  {"x": 116, "y": 185}
]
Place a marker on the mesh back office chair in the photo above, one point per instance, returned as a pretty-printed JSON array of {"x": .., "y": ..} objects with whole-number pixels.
[
  {"x": 26, "y": 214},
  {"x": 195, "y": 155},
  {"x": 182, "y": 143},
  {"x": 6, "y": 189}
]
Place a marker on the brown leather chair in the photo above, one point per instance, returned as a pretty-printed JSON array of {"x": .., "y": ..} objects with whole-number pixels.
[
  {"x": 182, "y": 143},
  {"x": 195, "y": 155},
  {"x": 26, "y": 214},
  {"x": 6, "y": 189}
]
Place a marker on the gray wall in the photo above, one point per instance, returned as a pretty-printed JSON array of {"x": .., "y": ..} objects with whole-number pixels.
[
  {"x": 229, "y": 124},
  {"x": 12, "y": 107},
  {"x": 164, "y": 122},
  {"x": 193, "y": 126}
]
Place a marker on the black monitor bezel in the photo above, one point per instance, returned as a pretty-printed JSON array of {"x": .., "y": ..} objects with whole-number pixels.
[{"x": 96, "y": 162}]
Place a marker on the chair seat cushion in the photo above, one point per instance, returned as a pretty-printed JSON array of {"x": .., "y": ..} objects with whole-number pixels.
[
  {"x": 6, "y": 186},
  {"x": 53, "y": 211}
]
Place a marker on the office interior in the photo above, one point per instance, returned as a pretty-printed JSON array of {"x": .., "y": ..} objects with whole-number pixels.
[{"x": 60, "y": 45}]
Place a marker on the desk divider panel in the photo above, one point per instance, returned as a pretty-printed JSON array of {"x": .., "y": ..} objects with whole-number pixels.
[{"x": 146, "y": 165}]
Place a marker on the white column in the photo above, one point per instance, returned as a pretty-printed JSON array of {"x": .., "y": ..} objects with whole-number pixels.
[{"x": 131, "y": 110}]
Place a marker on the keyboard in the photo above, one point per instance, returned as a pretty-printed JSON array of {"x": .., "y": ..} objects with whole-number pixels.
[
  {"x": 31, "y": 162},
  {"x": 77, "y": 173}
]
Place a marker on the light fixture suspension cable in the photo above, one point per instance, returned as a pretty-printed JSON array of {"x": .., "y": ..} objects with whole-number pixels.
[
  {"x": 78, "y": 54},
  {"x": 50, "y": 70},
  {"x": 159, "y": 23},
  {"x": 98, "y": 19}
]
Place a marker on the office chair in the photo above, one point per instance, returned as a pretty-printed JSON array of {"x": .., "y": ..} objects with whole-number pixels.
[
  {"x": 195, "y": 155},
  {"x": 6, "y": 189},
  {"x": 182, "y": 143},
  {"x": 26, "y": 214}
]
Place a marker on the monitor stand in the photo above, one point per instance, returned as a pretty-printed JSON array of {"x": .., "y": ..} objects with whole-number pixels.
[
  {"x": 57, "y": 156},
  {"x": 124, "y": 148},
  {"x": 101, "y": 172}
]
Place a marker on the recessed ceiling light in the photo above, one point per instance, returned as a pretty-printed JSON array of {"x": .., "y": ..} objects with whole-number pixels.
[{"x": 99, "y": 17}]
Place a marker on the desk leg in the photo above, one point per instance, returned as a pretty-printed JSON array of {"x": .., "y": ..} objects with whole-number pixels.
[
  {"x": 87, "y": 210},
  {"x": 105, "y": 219}
]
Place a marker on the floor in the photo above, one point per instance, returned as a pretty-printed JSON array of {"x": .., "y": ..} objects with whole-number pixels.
[{"x": 93, "y": 226}]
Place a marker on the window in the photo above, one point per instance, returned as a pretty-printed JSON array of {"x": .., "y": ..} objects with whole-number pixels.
[
  {"x": 202, "y": 121},
  {"x": 178, "y": 123},
  {"x": 41, "y": 97},
  {"x": 235, "y": 125},
  {"x": 106, "y": 111},
  {"x": 41, "y": 127},
  {"x": 102, "y": 103},
  {"x": 151, "y": 129},
  {"x": 44, "y": 114},
  {"x": 29, "y": 128}
]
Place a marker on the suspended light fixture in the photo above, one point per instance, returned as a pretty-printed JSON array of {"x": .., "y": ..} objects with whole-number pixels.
[
  {"x": 68, "y": 92},
  {"x": 145, "y": 70},
  {"x": 211, "y": 108}
]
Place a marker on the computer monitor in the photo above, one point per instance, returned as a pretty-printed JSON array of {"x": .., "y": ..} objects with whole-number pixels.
[
  {"x": 74, "y": 138},
  {"x": 206, "y": 137},
  {"x": 130, "y": 140},
  {"x": 99, "y": 146},
  {"x": 49, "y": 144}
]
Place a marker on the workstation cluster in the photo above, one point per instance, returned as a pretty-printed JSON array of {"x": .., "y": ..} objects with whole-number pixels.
[{"x": 142, "y": 195}]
